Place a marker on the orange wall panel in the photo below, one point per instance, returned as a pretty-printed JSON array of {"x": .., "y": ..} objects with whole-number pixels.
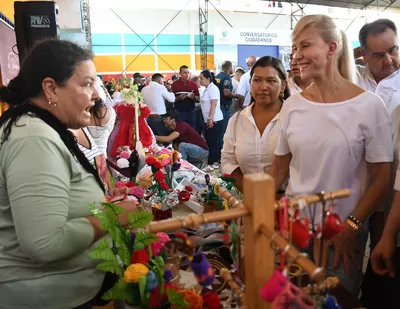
[
  {"x": 173, "y": 62},
  {"x": 108, "y": 63},
  {"x": 141, "y": 63},
  {"x": 210, "y": 62}
]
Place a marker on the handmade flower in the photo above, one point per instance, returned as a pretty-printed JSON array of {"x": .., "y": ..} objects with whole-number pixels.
[
  {"x": 211, "y": 301},
  {"x": 137, "y": 192},
  {"x": 168, "y": 276},
  {"x": 194, "y": 300},
  {"x": 156, "y": 247},
  {"x": 163, "y": 237},
  {"x": 155, "y": 299},
  {"x": 188, "y": 188},
  {"x": 120, "y": 184},
  {"x": 158, "y": 165},
  {"x": 124, "y": 155},
  {"x": 130, "y": 184},
  {"x": 134, "y": 272},
  {"x": 140, "y": 256},
  {"x": 166, "y": 161},
  {"x": 164, "y": 185},
  {"x": 123, "y": 163},
  {"x": 159, "y": 176},
  {"x": 151, "y": 281},
  {"x": 151, "y": 160},
  {"x": 184, "y": 196}
]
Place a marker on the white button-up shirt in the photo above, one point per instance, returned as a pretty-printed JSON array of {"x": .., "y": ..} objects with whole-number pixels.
[
  {"x": 243, "y": 88},
  {"x": 387, "y": 89},
  {"x": 154, "y": 96},
  {"x": 245, "y": 147}
]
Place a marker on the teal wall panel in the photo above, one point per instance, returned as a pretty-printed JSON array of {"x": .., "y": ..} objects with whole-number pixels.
[
  {"x": 106, "y": 43},
  {"x": 136, "y": 43},
  {"x": 210, "y": 43},
  {"x": 173, "y": 43}
]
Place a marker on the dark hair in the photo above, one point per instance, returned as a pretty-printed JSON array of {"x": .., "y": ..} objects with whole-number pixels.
[
  {"x": 173, "y": 114},
  {"x": 268, "y": 61},
  {"x": 97, "y": 110},
  {"x": 376, "y": 27},
  {"x": 209, "y": 75},
  {"x": 226, "y": 65},
  {"x": 56, "y": 59},
  {"x": 183, "y": 67},
  {"x": 240, "y": 70},
  {"x": 156, "y": 76}
]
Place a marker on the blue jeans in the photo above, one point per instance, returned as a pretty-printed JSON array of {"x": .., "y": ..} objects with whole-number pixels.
[
  {"x": 188, "y": 117},
  {"x": 158, "y": 127},
  {"x": 192, "y": 153},
  {"x": 226, "y": 112}
]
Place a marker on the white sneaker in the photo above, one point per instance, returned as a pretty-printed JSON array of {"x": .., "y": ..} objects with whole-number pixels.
[{"x": 208, "y": 168}]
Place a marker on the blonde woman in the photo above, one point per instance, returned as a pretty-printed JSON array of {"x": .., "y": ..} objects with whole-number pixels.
[{"x": 331, "y": 135}]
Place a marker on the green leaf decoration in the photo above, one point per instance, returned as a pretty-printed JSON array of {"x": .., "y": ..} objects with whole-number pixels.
[
  {"x": 102, "y": 251},
  {"x": 125, "y": 255},
  {"x": 122, "y": 291},
  {"x": 234, "y": 240},
  {"x": 142, "y": 289},
  {"x": 176, "y": 299},
  {"x": 110, "y": 266},
  {"x": 145, "y": 238},
  {"x": 140, "y": 219}
]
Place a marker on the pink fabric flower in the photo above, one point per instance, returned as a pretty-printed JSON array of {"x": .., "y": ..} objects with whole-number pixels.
[
  {"x": 163, "y": 237},
  {"x": 120, "y": 184},
  {"x": 165, "y": 161},
  {"x": 157, "y": 246},
  {"x": 137, "y": 192},
  {"x": 124, "y": 155}
]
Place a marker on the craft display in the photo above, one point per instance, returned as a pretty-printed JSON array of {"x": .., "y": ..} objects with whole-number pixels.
[
  {"x": 267, "y": 286},
  {"x": 138, "y": 258}
]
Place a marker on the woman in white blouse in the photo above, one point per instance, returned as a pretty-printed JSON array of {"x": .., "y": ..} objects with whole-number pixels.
[
  {"x": 329, "y": 134},
  {"x": 212, "y": 115},
  {"x": 102, "y": 120},
  {"x": 251, "y": 136}
]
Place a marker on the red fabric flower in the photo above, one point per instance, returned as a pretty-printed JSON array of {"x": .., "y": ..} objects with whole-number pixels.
[
  {"x": 183, "y": 196},
  {"x": 159, "y": 176},
  {"x": 145, "y": 111},
  {"x": 163, "y": 185},
  {"x": 151, "y": 161},
  {"x": 140, "y": 256},
  {"x": 158, "y": 165},
  {"x": 211, "y": 301},
  {"x": 155, "y": 300},
  {"x": 130, "y": 184},
  {"x": 227, "y": 175},
  {"x": 188, "y": 188}
]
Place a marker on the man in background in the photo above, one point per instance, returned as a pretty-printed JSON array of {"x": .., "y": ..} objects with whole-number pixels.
[
  {"x": 154, "y": 96},
  {"x": 192, "y": 146},
  {"x": 224, "y": 81},
  {"x": 187, "y": 94},
  {"x": 243, "y": 90}
]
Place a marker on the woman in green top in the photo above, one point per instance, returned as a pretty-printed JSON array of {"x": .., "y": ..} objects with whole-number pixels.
[{"x": 47, "y": 184}]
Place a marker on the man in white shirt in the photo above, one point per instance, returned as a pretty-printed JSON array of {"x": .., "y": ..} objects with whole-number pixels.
[
  {"x": 154, "y": 96},
  {"x": 381, "y": 75},
  {"x": 380, "y": 50},
  {"x": 243, "y": 89}
]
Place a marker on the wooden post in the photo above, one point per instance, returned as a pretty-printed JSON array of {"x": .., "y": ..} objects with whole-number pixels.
[{"x": 259, "y": 197}]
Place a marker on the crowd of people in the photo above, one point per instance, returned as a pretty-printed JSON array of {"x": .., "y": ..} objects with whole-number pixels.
[{"x": 327, "y": 124}]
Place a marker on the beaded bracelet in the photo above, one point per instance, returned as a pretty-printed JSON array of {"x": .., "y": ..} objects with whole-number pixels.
[
  {"x": 356, "y": 221},
  {"x": 353, "y": 225}
]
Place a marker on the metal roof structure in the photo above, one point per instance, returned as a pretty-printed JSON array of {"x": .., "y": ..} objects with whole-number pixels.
[{"x": 353, "y": 4}]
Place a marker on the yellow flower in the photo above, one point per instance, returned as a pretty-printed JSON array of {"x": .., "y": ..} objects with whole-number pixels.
[
  {"x": 134, "y": 272},
  {"x": 163, "y": 156},
  {"x": 216, "y": 190}
]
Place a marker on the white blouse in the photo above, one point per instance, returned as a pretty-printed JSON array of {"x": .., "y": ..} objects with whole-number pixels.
[
  {"x": 100, "y": 134},
  {"x": 245, "y": 147},
  {"x": 211, "y": 93}
]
